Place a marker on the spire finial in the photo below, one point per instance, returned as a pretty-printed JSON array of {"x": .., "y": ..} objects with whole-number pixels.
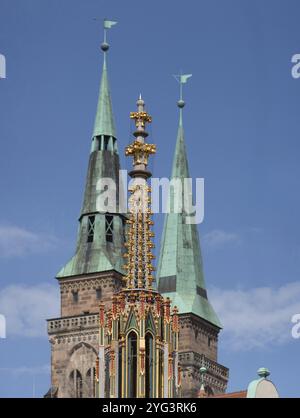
[
  {"x": 202, "y": 393},
  {"x": 263, "y": 372},
  {"x": 104, "y": 121},
  {"x": 182, "y": 79},
  {"x": 107, "y": 24},
  {"x": 140, "y": 103}
]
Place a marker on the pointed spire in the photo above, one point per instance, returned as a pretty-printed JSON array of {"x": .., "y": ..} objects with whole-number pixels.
[
  {"x": 180, "y": 271},
  {"x": 180, "y": 163},
  {"x": 104, "y": 121},
  {"x": 139, "y": 257},
  {"x": 97, "y": 251}
]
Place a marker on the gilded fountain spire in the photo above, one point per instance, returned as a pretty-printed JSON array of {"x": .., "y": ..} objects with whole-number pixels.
[
  {"x": 138, "y": 335},
  {"x": 139, "y": 245}
]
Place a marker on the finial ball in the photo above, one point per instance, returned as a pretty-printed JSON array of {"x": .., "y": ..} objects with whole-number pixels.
[
  {"x": 140, "y": 102},
  {"x": 203, "y": 370},
  {"x": 105, "y": 46},
  {"x": 181, "y": 103},
  {"x": 263, "y": 372}
]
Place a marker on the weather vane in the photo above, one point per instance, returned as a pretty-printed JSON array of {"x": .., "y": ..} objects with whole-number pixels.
[
  {"x": 182, "y": 79},
  {"x": 107, "y": 24}
]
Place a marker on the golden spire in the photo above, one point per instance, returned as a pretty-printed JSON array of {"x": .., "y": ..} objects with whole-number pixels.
[{"x": 139, "y": 257}]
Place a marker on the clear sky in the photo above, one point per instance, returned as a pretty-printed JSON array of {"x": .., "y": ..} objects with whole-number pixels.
[{"x": 242, "y": 134}]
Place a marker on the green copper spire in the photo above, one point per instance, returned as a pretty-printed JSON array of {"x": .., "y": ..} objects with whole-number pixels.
[
  {"x": 180, "y": 270},
  {"x": 104, "y": 121},
  {"x": 100, "y": 239}
]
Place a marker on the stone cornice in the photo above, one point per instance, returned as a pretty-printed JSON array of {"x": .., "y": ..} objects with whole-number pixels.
[
  {"x": 191, "y": 321},
  {"x": 88, "y": 336},
  {"x": 82, "y": 283}
]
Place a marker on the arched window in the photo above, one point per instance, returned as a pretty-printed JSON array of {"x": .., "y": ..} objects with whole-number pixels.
[
  {"x": 91, "y": 382},
  {"x": 132, "y": 365},
  {"x": 149, "y": 366},
  {"x": 76, "y": 383}
]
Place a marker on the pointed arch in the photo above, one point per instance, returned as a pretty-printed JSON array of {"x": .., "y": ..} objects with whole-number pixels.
[
  {"x": 149, "y": 324},
  {"x": 82, "y": 344},
  {"x": 131, "y": 322},
  {"x": 132, "y": 363}
]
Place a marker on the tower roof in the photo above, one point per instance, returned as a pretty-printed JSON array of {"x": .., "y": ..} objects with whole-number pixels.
[
  {"x": 104, "y": 120},
  {"x": 180, "y": 270},
  {"x": 96, "y": 254}
]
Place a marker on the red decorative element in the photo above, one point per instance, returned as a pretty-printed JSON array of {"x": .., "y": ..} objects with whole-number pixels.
[
  {"x": 114, "y": 307},
  {"x": 170, "y": 368},
  {"x": 158, "y": 305},
  {"x": 122, "y": 302},
  {"x": 109, "y": 322},
  {"x": 97, "y": 369},
  {"x": 167, "y": 309},
  {"x": 175, "y": 319},
  {"x": 179, "y": 376},
  {"x": 101, "y": 315}
]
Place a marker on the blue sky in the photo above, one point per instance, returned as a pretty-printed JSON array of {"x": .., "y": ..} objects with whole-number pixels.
[{"x": 241, "y": 126}]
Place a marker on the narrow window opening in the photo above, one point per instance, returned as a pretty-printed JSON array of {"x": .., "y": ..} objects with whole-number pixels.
[
  {"x": 109, "y": 228},
  {"x": 75, "y": 296},
  {"x": 149, "y": 366},
  {"x": 161, "y": 374},
  {"x": 120, "y": 372},
  {"x": 91, "y": 228},
  {"x": 98, "y": 294},
  {"x": 132, "y": 365},
  {"x": 106, "y": 140}
]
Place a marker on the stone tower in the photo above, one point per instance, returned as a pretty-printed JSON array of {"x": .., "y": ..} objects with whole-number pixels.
[
  {"x": 180, "y": 277},
  {"x": 95, "y": 272}
]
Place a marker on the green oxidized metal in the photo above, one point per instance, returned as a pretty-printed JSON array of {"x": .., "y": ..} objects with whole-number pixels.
[{"x": 180, "y": 270}]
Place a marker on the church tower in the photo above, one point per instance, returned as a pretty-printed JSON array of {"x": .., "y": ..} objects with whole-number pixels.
[
  {"x": 180, "y": 277},
  {"x": 138, "y": 336},
  {"x": 117, "y": 334},
  {"x": 95, "y": 272}
]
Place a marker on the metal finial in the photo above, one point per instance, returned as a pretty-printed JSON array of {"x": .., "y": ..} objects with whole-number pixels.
[
  {"x": 107, "y": 24},
  {"x": 182, "y": 79},
  {"x": 263, "y": 372},
  {"x": 140, "y": 101},
  {"x": 203, "y": 370}
]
